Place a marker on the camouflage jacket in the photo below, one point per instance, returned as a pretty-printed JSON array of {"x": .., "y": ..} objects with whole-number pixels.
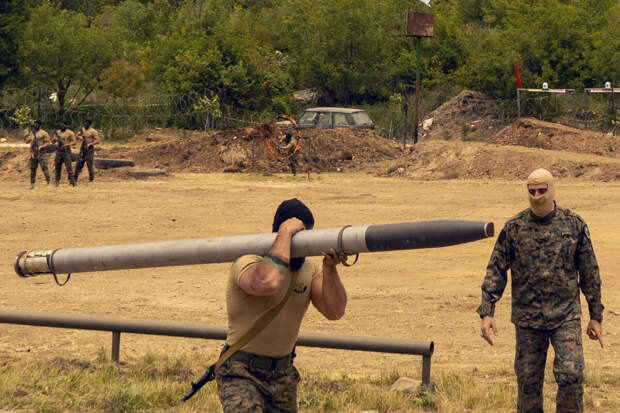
[{"x": 550, "y": 260}]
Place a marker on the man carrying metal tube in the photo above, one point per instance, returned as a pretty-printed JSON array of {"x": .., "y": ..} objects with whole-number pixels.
[
  {"x": 549, "y": 253},
  {"x": 261, "y": 376}
]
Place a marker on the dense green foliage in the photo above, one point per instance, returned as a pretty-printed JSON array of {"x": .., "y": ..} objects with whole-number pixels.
[
  {"x": 12, "y": 16},
  {"x": 254, "y": 53}
]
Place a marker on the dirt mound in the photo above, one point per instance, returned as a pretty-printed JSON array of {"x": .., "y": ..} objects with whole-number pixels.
[
  {"x": 469, "y": 116},
  {"x": 474, "y": 160},
  {"x": 244, "y": 150},
  {"x": 533, "y": 133}
]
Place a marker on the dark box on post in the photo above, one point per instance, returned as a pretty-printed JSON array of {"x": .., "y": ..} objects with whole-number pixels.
[{"x": 420, "y": 24}]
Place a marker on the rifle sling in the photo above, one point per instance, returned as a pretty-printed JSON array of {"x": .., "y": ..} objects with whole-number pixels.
[{"x": 260, "y": 324}]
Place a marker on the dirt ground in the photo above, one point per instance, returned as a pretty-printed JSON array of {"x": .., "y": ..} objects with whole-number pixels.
[
  {"x": 228, "y": 183},
  {"x": 421, "y": 294}
]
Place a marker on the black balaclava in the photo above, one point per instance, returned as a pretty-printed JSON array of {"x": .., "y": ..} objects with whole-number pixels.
[{"x": 293, "y": 208}]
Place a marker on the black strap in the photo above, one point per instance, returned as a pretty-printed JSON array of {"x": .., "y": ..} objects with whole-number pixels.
[
  {"x": 50, "y": 264},
  {"x": 340, "y": 251}
]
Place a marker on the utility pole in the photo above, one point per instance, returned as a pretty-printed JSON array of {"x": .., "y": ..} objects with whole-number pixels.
[{"x": 418, "y": 25}]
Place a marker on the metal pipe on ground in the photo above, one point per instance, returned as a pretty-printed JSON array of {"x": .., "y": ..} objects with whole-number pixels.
[
  {"x": 349, "y": 239},
  {"x": 196, "y": 330}
]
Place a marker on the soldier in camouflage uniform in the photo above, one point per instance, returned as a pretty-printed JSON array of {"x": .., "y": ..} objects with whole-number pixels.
[
  {"x": 549, "y": 253},
  {"x": 261, "y": 376},
  {"x": 90, "y": 138},
  {"x": 65, "y": 139},
  {"x": 289, "y": 144},
  {"x": 38, "y": 140}
]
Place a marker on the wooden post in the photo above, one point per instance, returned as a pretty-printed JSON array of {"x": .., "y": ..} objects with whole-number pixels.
[
  {"x": 116, "y": 345},
  {"x": 418, "y": 40}
]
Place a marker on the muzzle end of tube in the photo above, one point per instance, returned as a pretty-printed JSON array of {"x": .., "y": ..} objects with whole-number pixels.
[{"x": 489, "y": 229}]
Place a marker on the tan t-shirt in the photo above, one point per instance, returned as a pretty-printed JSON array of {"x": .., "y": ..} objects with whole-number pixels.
[
  {"x": 89, "y": 134},
  {"x": 42, "y": 137},
  {"x": 65, "y": 136},
  {"x": 278, "y": 337}
]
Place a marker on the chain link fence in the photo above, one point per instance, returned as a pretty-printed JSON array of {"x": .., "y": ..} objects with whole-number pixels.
[
  {"x": 577, "y": 109},
  {"x": 117, "y": 117},
  {"x": 122, "y": 117}
]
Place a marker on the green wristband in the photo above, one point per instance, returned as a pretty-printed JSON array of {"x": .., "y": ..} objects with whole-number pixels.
[{"x": 282, "y": 269}]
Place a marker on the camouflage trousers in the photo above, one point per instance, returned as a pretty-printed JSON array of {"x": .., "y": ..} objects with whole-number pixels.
[
  {"x": 253, "y": 390},
  {"x": 88, "y": 159},
  {"x": 292, "y": 163},
  {"x": 530, "y": 359},
  {"x": 63, "y": 157},
  {"x": 38, "y": 159}
]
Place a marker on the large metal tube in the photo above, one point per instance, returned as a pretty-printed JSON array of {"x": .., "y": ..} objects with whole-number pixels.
[{"x": 350, "y": 240}]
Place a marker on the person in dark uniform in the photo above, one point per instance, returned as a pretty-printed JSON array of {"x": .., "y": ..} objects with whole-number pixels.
[
  {"x": 38, "y": 140},
  {"x": 90, "y": 138},
  {"x": 549, "y": 253},
  {"x": 289, "y": 143},
  {"x": 64, "y": 138}
]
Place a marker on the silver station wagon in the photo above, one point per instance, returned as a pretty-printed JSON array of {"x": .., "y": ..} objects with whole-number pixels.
[{"x": 330, "y": 118}]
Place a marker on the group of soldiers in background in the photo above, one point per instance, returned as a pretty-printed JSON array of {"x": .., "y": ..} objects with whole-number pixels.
[{"x": 64, "y": 139}]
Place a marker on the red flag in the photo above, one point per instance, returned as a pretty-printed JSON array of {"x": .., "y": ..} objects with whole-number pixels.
[{"x": 518, "y": 75}]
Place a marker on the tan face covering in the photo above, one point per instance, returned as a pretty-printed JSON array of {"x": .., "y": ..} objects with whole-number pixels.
[{"x": 541, "y": 204}]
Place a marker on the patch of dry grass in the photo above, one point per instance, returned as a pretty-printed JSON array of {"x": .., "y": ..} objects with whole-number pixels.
[{"x": 156, "y": 383}]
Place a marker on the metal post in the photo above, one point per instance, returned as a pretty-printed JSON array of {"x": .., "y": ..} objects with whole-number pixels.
[
  {"x": 613, "y": 103},
  {"x": 116, "y": 345},
  {"x": 39, "y": 105},
  {"x": 518, "y": 105},
  {"x": 418, "y": 41},
  {"x": 406, "y": 114},
  {"x": 426, "y": 370}
]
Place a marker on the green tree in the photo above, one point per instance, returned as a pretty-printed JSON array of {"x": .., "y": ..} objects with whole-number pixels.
[
  {"x": 604, "y": 55},
  {"x": 59, "y": 48},
  {"x": 122, "y": 79},
  {"x": 212, "y": 49},
  {"x": 210, "y": 108},
  {"x": 12, "y": 17},
  {"x": 131, "y": 25}
]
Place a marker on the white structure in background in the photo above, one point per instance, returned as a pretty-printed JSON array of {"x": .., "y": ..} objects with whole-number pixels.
[
  {"x": 54, "y": 97},
  {"x": 427, "y": 2}
]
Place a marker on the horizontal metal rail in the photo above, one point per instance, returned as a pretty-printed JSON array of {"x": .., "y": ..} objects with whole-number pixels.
[{"x": 197, "y": 330}]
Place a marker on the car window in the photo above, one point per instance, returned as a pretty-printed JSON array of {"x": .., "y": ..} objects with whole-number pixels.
[
  {"x": 362, "y": 118},
  {"x": 324, "y": 120},
  {"x": 307, "y": 119},
  {"x": 341, "y": 120}
]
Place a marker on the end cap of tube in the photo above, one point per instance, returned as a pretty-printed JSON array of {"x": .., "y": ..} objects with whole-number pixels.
[{"x": 16, "y": 266}]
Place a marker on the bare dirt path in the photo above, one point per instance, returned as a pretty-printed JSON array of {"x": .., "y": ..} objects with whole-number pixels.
[{"x": 422, "y": 294}]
